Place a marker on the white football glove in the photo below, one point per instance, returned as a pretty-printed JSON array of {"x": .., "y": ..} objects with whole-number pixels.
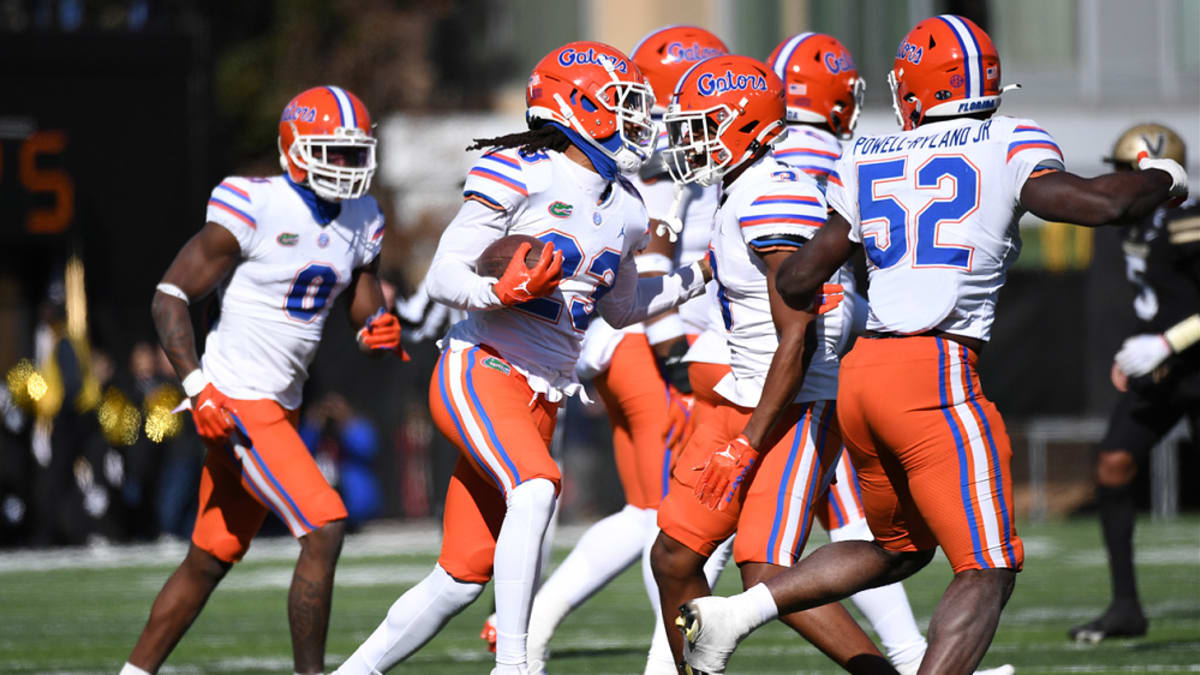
[
  {"x": 1141, "y": 354},
  {"x": 1179, "y": 184}
]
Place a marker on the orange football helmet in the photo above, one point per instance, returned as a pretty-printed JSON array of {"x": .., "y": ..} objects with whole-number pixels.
[
  {"x": 821, "y": 83},
  {"x": 723, "y": 110},
  {"x": 595, "y": 90},
  {"x": 946, "y": 66},
  {"x": 325, "y": 142},
  {"x": 665, "y": 55}
]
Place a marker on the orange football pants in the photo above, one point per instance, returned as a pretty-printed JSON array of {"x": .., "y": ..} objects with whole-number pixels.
[
  {"x": 932, "y": 453},
  {"x": 636, "y": 400},
  {"x": 265, "y": 467},
  {"x": 502, "y": 429},
  {"x": 775, "y": 508},
  {"x": 839, "y": 506}
]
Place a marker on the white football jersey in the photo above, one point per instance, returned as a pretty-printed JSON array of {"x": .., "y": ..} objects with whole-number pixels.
[
  {"x": 770, "y": 206},
  {"x": 936, "y": 211},
  {"x": 274, "y": 304},
  {"x": 813, "y": 150},
  {"x": 599, "y": 227}
]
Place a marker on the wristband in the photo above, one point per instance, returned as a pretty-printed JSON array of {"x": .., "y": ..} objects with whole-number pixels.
[
  {"x": 173, "y": 291},
  {"x": 1183, "y": 334},
  {"x": 653, "y": 262},
  {"x": 668, "y": 327},
  {"x": 194, "y": 383}
]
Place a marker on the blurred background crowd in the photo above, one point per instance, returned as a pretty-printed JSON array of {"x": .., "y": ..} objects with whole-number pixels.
[{"x": 122, "y": 114}]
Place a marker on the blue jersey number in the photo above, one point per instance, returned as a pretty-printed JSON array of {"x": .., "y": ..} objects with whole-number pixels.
[
  {"x": 926, "y": 251},
  {"x": 603, "y": 267},
  {"x": 310, "y": 291}
]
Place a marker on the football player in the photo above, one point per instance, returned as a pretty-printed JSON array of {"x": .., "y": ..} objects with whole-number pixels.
[
  {"x": 280, "y": 249},
  {"x": 640, "y": 375},
  {"x": 935, "y": 208},
  {"x": 824, "y": 95},
  {"x": 506, "y": 368},
  {"x": 770, "y": 444},
  {"x": 1157, "y": 370}
]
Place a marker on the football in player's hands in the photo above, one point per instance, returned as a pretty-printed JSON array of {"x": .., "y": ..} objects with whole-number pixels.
[{"x": 495, "y": 258}]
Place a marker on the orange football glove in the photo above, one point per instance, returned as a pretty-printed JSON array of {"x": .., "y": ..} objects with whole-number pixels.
[
  {"x": 208, "y": 412},
  {"x": 831, "y": 296},
  {"x": 381, "y": 332},
  {"x": 679, "y": 419},
  {"x": 724, "y": 473},
  {"x": 520, "y": 283}
]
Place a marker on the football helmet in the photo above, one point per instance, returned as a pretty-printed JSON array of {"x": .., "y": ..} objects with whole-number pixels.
[
  {"x": 946, "y": 66},
  {"x": 325, "y": 142},
  {"x": 665, "y": 55},
  {"x": 595, "y": 90},
  {"x": 821, "y": 84},
  {"x": 1157, "y": 140},
  {"x": 723, "y": 110}
]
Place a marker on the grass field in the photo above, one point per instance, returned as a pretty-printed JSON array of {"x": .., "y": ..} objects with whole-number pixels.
[{"x": 76, "y": 611}]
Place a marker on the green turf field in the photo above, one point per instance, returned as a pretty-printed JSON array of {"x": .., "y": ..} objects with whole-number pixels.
[{"x": 75, "y": 611}]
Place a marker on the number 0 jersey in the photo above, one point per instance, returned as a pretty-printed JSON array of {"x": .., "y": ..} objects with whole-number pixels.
[
  {"x": 936, "y": 211},
  {"x": 768, "y": 208},
  {"x": 274, "y": 304}
]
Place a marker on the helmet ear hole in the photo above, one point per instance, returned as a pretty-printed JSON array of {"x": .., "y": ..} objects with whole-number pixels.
[{"x": 749, "y": 127}]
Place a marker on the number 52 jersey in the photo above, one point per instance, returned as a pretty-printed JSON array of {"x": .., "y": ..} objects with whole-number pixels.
[
  {"x": 936, "y": 209},
  {"x": 274, "y": 303}
]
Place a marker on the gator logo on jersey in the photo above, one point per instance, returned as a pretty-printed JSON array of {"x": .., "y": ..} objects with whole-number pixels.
[
  {"x": 710, "y": 84},
  {"x": 573, "y": 57},
  {"x": 838, "y": 63},
  {"x": 560, "y": 209},
  {"x": 694, "y": 52},
  {"x": 287, "y": 239},
  {"x": 496, "y": 364}
]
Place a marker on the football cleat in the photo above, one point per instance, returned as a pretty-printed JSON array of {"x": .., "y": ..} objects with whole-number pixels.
[
  {"x": 912, "y": 667},
  {"x": 488, "y": 634},
  {"x": 710, "y": 634},
  {"x": 1113, "y": 623}
]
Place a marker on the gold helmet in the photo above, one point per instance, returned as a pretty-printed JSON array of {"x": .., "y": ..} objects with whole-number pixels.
[{"x": 1157, "y": 140}]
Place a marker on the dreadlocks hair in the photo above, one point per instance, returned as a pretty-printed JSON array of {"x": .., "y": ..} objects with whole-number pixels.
[{"x": 544, "y": 137}]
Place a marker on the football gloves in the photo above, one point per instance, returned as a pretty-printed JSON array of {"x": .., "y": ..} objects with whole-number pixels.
[
  {"x": 830, "y": 297},
  {"x": 208, "y": 412},
  {"x": 520, "y": 283},
  {"x": 1141, "y": 354},
  {"x": 724, "y": 474},
  {"x": 1179, "y": 184},
  {"x": 381, "y": 333}
]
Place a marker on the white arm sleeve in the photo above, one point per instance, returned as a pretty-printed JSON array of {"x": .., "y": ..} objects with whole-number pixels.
[
  {"x": 632, "y": 299},
  {"x": 451, "y": 279}
]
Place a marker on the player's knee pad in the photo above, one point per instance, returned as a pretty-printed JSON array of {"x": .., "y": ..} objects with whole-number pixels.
[{"x": 856, "y": 530}]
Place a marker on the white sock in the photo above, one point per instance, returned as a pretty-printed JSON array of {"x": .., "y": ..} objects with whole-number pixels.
[
  {"x": 412, "y": 620},
  {"x": 548, "y": 543},
  {"x": 756, "y": 607},
  {"x": 130, "y": 669},
  {"x": 886, "y": 607},
  {"x": 605, "y": 550},
  {"x": 659, "y": 658},
  {"x": 518, "y": 556}
]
